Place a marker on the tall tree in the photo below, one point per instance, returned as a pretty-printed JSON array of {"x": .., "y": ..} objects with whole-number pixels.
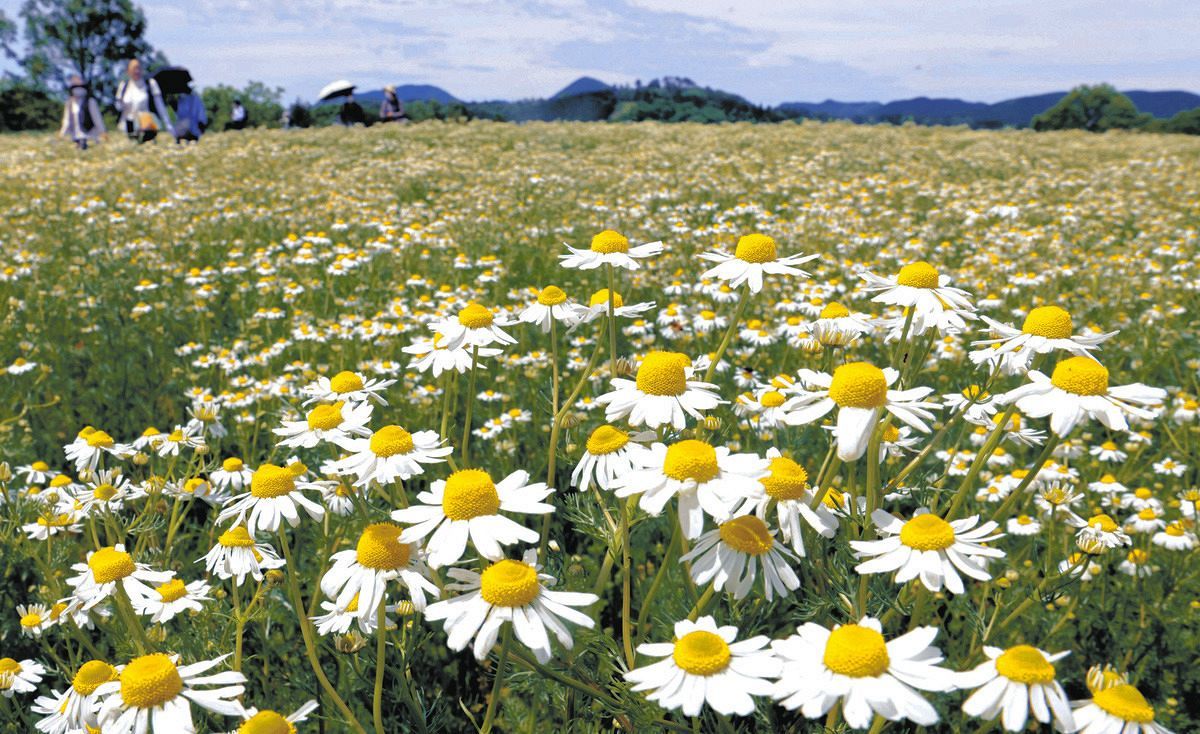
[
  {"x": 94, "y": 38},
  {"x": 1095, "y": 108}
]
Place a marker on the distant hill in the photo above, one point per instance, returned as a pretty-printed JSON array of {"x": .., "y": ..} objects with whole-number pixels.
[
  {"x": 1010, "y": 112},
  {"x": 582, "y": 85},
  {"x": 406, "y": 93}
]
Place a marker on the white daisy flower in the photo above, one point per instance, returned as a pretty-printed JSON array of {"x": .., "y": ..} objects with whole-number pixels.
[
  {"x": 860, "y": 391},
  {"x": 265, "y": 721},
  {"x": 1100, "y": 532},
  {"x": 38, "y": 472},
  {"x": 733, "y": 555},
  {"x": 1023, "y": 525},
  {"x": 1119, "y": 709},
  {"x": 35, "y": 619},
  {"x": 237, "y": 555},
  {"x": 19, "y": 676},
  {"x": 705, "y": 478},
  {"x": 1013, "y": 683},
  {"x": 90, "y": 445},
  {"x": 474, "y": 326},
  {"x": 179, "y": 438},
  {"x": 852, "y": 663},
  {"x": 509, "y": 591},
  {"x": 336, "y": 423},
  {"x": 348, "y": 387},
  {"x": 49, "y": 524},
  {"x": 1046, "y": 329},
  {"x": 786, "y": 487},
  {"x": 431, "y": 354},
  {"x": 390, "y": 453},
  {"x": 379, "y": 557},
  {"x": 1136, "y": 564},
  {"x": 598, "y": 305},
  {"x": 98, "y": 577},
  {"x": 172, "y": 598},
  {"x": 233, "y": 476},
  {"x": 551, "y": 305},
  {"x": 608, "y": 454},
  {"x": 106, "y": 490},
  {"x": 662, "y": 394},
  {"x": 929, "y": 547},
  {"x": 978, "y": 405},
  {"x": 76, "y": 708},
  {"x": 1175, "y": 536},
  {"x": 609, "y": 248},
  {"x": 918, "y": 286},
  {"x": 468, "y": 505},
  {"x": 754, "y": 255},
  {"x": 274, "y": 496},
  {"x": 154, "y": 695},
  {"x": 706, "y": 665},
  {"x": 337, "y": 619},
  {"x": 1078, "y": 388}
]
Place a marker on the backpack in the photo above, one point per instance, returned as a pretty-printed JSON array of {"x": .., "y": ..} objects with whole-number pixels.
[{"x": 86, "y": 123}]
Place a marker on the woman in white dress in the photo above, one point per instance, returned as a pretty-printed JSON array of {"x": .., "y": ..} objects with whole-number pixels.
[
  {"x": 141, "y": 105},
  {"x": 82, "y": 121}
]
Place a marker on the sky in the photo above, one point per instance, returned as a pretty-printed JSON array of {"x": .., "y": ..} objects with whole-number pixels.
[{"x": 769, "y": 51}]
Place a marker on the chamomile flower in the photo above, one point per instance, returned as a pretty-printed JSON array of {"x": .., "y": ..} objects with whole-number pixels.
[
  {"x": 551, "y": 305},
  {"x": 1118, "y": 709},
  {"x": 172, "y": 598},
  {"x": 705, "y": 664},
  {"x": 49, "y": 524},
  {"x": 468, "y": 505},
  {"x": 90, "y": 445},
  {"x": 1023, "y": 525},
  {"x": 861, "y": 393},
  {"x": 336, "y": 423},
  {"x": 1015, "y": 682},
  {"x": 154, "y": 695},
  {"x": 76, "y": 708},
  {"x": 836, "y": 326},
  {"x": 180, "y": 438},
  {"x": 233, "y": 476},
  {"x": 854, "y": 664},
  {"x": 1100, "y": 532},
  {"x": 104, "y": 569},
  {"x": 378, "y": 557},
  {"x": 430, "y": 354},
  {"x": 237, "y": 555},
  {"x": 106, "y": 490},
  {"x": 609, "y": 248},
  {"x": 755, "y": 255},
  {"x": 1078, "y": 389},
  {"x": 598, "y": 305},
  {"x": 609, "y": 454},
  {"x": 348, "y": 387},
  {"x": 786, "y": 487},
  {"x": 35, "y": 619},
  {"x": 38, "y": 472},
  {"x": 509, "y": 591},
  {"x": 1045, "y": 329},
  {"x": 265, "y": 721},
  {"x": 706, "y": 479},
  {"x": 1175, "y": 536},
  {"x": 918, "y": 286},
  {"x": 662, "y": 394},
  {"x": 391, "y": 453},
  {"x": 274, "y": 496},
  {"x": 930, "y": 548},
  {"x": 475, "y": 325},
  {"x": 733, "y": 555},
  {"x": 19, "y": 676}
]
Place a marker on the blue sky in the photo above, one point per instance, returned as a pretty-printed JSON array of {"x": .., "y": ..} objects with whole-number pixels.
[{"x": 768, "y": 51}]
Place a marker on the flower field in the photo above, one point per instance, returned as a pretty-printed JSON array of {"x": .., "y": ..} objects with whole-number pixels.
[{"x": 593, "y": 428}]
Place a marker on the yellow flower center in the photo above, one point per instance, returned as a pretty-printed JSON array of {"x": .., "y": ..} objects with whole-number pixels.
[
  {"x": 755, "y": 248},
  {"x": 173, "y": 590},
  {"x": 551, "y": 295},
  {"x": 663, "y": 373},
  {"x": 1143, "y": 493},
  {"x": 104, "y": 492},
  {"x": 150, "y": 681},
  {"x": 787, "y": 480},
  {"x": 236, "y": 537},
  {"x": 232, "y": 465},
  {"x": 379, "y": 547},
  {"x": 270, "y": 480},
  {"x": 772, "y": 399},
  {"x": 175, "y": 436},
  {"x": 31, "y": 620},
  {"x": 918, "y": 275},
  {"x": 1081, "y": 376},
  {"x": 390, "y": 441},
  {"x": 470, "y": 493},
  {"x": 691, "y": 459},
  {"x": 1106, "y": 524},
  {"x": 55, "y": 521},
  {"x": 610, "y": 241},
  {"x": 509, "y": 583},
  {"x": 1137, "y": 557},
  {"x": 267, "y": 722},
  {"x": 859, "y": 385},
  {"x": 1126, "y": 703},
  {"x": 857, "y": 652},
  {"x": 1025, "y": 664},
  {"x": 110, "y": 564},
  {"x": 475, "y": 316},
  {"x": 1175, "y": 530},
  {"x": 40, "y": 466},
  {"x": 325, "y": 417},
  {"x": 747, "y": 534},
  {"x": 8, "y": 666},
  {"x": 927, "y": 532},
  {"x": 1147, "y": 514},
  {"x": 345, "y": 381},
  {"x": 91, "y": 675},
  {"x": 600, "y": 298},
  {"x": 834, "y": 311},
  {"x": 891, "y": 434},
  {"x": 700, "y": 652},
  {"x": 61, "y": 480},
  {"x": 1051, "y": 322},
  {"x": 606, "y": 439}
]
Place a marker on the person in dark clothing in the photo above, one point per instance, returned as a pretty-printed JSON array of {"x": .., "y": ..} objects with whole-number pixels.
[
  {"x": 351, "y": 113},
  {"x": 391, "y": 109},
  {"x": 237, "y": 116}
]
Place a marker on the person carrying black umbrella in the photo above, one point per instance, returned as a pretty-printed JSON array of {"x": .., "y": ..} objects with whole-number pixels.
[
  {"x": 351, "y": 112},
  {"x": 82, "y": 121},
  {"x": 191, "y": 118}
]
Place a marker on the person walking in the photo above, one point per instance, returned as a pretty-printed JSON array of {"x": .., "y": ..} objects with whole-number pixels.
[
  {"x": 191, "y": 118},
  {"x": 139, "y": 101},
  {"x": 81, "y": 121},
  {"x": 237, "y": 116},
  {"x": 391, "y": 109},
  {"x": 351, "y": 112}
]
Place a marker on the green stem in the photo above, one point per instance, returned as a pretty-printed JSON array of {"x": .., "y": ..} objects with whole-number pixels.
[
  {"x": 490, "y": 717},
  {"x": 380, "y": 655},
  {"x": 612, "y": 323},
  {"x": 466, "y": 439},
  {"x": 626, "y": 585},
  {"x": 1004, "y": 509},
  {"x": 743, "y": 300},
  {"x": 702, "y": 603}
]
